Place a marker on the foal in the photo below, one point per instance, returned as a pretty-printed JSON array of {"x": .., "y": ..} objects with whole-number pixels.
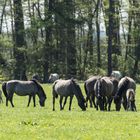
[{"x": 130, "y": 96}]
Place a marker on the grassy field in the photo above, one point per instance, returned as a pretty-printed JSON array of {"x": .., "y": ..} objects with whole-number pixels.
[{"x": 38, "y": 123}]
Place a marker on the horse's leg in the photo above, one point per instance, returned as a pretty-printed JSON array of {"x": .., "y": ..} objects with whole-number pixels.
[
  {"x": 34, "y": 100},
  {"x": 105, "y": 102},
  {"x": 93, "y": 100},
  {"x": 11, "y": 99},
  {"x": 87, "y": 101},
  {"x": 90, "y": 100},
  {"x": 53, "y": 103},
  {"x": 97, "y": 104},
  {"x": 65, "y": 102},
  {"x": 125, "y": 104},
  {"x": 135, "y": 109},
  {"x": 60, "y": 102},
  {"x": 109, "y": 103},
  {"x": 6, "y": 101},
  {"x": 71, "y": 97},
  {"x": 29, "y": 100}
]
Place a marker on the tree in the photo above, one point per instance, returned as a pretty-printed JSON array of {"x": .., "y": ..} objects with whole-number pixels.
[
  {"x": 49, "y": 6},
  {"x": 19, "y": 47}
]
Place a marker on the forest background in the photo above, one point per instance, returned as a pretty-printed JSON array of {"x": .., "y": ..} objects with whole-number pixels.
[{"x": 74, "y": 38}]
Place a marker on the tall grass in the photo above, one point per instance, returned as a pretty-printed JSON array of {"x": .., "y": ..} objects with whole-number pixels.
[{"x": 22, "y": 122}]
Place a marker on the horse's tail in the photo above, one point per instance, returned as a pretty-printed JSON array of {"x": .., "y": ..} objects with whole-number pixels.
[
  {"x": 54, "y": 92},
  {"x": 4, "y": 89},
  {"x": 85, "y": 87}
]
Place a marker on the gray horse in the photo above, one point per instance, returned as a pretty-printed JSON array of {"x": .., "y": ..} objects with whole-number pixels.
[
  {"x": 104, "y": 93},
  {"x": 53, "y": 77},
  {"x": 67, "y": 88},
  {"x": 23, "y": 88},
  {"x": 130, "y": 96},
  {"x": 89, "y": 90},
  {"x": 124, "y": 84}
]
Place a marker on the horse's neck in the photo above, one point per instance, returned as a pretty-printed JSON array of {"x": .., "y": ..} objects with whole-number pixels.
[{"x": 78, "y": 97}]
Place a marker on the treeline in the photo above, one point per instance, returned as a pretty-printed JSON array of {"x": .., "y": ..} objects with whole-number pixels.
[{"x": 71, "y": 37}]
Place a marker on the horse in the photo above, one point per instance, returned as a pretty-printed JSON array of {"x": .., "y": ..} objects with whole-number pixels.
[
  {"x": 67, "y": 88},
  {"x": 89, "y": 90},
  {"x": 116, "y": 74},
  {"x": 130, "y": 96},
  {"x": 104, "y": 93},
  {"x": 1, "y": 100},
  {"x": 53, "y": 77},
  {"x": 23, "y": 88},
  {"x": 120, "y": 97}
]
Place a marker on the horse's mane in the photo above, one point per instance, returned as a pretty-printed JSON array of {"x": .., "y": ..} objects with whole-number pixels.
[
  {"x": 76, "y": 85},
  {"x": 123, "y": 87},
  {"x": 39, "y": 87}
]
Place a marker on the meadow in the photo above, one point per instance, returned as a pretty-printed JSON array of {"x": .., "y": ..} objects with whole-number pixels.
[{"x": 37, "y": 123}]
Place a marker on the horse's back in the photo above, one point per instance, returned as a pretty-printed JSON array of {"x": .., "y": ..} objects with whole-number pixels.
[
  {"x": 131, "y": 82},
  {"x": 21, "y": 88},
  {"x": 63, "y": 87},
  {"x": 107, "y": 85},
  {"x": 91, "y": 82}
]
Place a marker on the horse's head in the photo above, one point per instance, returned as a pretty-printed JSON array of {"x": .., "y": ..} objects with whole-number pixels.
[
  {"x": 117, "y": 101},
  {"x": 42, "y": 101},
  {"x": 41, "y": 94},
  {"x": 78, "y": 93},
  {"x": 82, "y": 104}
]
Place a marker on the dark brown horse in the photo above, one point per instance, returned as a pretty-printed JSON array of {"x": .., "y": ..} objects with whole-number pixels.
[
  {"x": 104, "y": 93},
  {"x": 89, "y": 90},
  {"x": 124, "y": 84}
]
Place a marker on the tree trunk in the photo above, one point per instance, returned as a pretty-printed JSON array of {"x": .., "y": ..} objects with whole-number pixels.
[
  {"x": 19, "y": 50},
  {"x": 110, "y": 38},
  {"x": 48, "y": 38},
  {"x": 98, "y": 35},
  {"x": 2, "y": 15},
  {"x": 71, "y": 47}
]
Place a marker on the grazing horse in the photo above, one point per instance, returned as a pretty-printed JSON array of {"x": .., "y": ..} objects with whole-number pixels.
[
  {"x": 130, "y": 96},
  {"x": 53, "y": 77},
  {"x": 104, "y": 93},
  {"x": 120, "y": 97},
  {"x": 115, "y": 82},
  {"x": 66, "y": 88},
  {"x": 1, "y": 100},
  {"x": 89, "y": 90},
  {"x": 23, "y": 88}
]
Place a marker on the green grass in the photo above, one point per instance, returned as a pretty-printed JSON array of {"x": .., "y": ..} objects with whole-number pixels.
[{"x": 38, "y": 123}]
